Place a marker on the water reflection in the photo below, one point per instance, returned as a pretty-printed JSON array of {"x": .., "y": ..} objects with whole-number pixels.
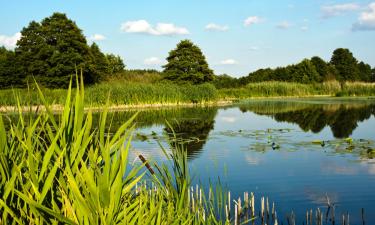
[{"x": 343, "y": 119}]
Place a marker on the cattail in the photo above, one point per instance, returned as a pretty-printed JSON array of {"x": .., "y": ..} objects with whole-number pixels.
[{"x": 235, "y": 215}]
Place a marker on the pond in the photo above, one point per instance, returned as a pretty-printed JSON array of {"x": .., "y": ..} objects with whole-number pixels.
[{"x": 297, "y": 152}]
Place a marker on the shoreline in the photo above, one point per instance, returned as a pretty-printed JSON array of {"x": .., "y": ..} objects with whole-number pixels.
[{"x": 222, "y": 102}]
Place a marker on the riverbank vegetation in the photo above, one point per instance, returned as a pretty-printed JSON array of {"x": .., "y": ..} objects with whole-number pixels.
[
  {"x": 53, "y": 50},
  {"x": 64, "y": 169}
]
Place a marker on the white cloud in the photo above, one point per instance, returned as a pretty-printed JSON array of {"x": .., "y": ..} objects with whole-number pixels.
[
  {"x": 98, "y": 37},
  {"x": 304, "y": 28},
  {"x": 216, "y": 27},
  {"x": 366, "y": 20},
  {"x": 9, "y": 42},
  {"x": 339, "y": 9},
  {"x": 152, "y": 61},
  {"x": 252, "y": 20},
  {"x": 254, "y": 48},
  {"x": 284, "y": 25},
  {"x": 142, "y": 26},
  {"x": 228, "y": 62}
]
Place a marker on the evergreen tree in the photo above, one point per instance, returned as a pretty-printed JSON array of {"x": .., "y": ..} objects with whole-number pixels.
[
  {"x": 345, "y": 64},
  {"x": 187, "y": 63}
]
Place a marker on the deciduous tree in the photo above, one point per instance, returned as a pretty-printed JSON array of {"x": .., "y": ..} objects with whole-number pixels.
[{"x": 188, "y": 64}]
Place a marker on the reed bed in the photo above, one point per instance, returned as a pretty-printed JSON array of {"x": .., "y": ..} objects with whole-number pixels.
[
  {"x": 63, "y": 170},
  {"x": 124, "y": 92}
]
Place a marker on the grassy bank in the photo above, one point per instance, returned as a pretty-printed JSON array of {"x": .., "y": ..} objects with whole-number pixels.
[
  {"x": 123, "y": 92},
  {"x": 67, "y": 170}
]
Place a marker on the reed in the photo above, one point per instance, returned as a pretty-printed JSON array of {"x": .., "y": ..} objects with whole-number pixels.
[
  {"x": 131, "y": 91},
  {"x": 61, "y": 169}
]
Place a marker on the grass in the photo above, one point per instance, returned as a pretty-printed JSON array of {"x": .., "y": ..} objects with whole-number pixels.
[
  {"x": 131, "y": 91},
  {"x": 65, "y": 170}
]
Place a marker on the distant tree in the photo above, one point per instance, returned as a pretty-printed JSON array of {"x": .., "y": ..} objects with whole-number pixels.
[
  {"x": 373, "y": 75},
  {"x": 364, "y": 72},
  {"x": 187, "y": 63},
  {"x": 281, "y": 74},
  {"x": 304, "y": 72},
  {"x": 52, "y": 50},
  {"x": 9, "y": 73},
  {"x": 225, "y": 81},
  {"x": 345, "y": 64},
  {"x": 258, "y": 76},
  {"x": 99, "y": 63},
  {"x": 115, "y": 64},
  {"x": 321, "y": 67}
]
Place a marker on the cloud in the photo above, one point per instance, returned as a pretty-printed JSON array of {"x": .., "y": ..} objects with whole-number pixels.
[
  {"x": 252, "y": 20},
  {"x": 304, "y": 28},
  {"x": 366, "y": 20},
  {"x": 142, "y": 26},
  {"x": 284, "y": 25},
  {"x": 254, "y": 48},
  {"x": 228, "y": 62},
  {"x": 216, "y": 27},
  {"x": 152, "y": 61},
  {"x": 9, "y": 42},
  {"x": 98, "y": 37},
  {"x": 338, "y": 9}
]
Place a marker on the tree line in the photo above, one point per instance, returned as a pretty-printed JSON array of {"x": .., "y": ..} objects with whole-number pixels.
[
  {"x": 53, "y": 50},
  {"x": 50, "y": 52}
]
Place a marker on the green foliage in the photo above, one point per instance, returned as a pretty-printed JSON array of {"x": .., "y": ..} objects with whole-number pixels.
[
  {"x": 364, "y": 72},
  {"x": 304, "y": 72},
  {"x": 115, "y": 64},
  {"x": 63, "y": 170},
  {"x": 187, "y": 63},
  {"x": 52, "y": 50},
  {"x": 9, "y": 71},
  {"x": 99, "y": 64},
  {"x": 345, "y": 64},
  {"x": 225, "y": 81}
]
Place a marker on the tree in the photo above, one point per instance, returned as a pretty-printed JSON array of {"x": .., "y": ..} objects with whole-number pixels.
[
  {"x": 187, "y": 63},
  {"x": 99, "y": 64},
  {"x": 304, "y": 72},
  {"x": 373, "y": 75},
  {"x": 115, "y": 64},
  {"x": 7, "y": 68},
  {"x": 321, "y": 67},
  {"x": 364, "y": 71},
  {"x": 345, "y": 64},
  {"x": 52, "y": 51}
]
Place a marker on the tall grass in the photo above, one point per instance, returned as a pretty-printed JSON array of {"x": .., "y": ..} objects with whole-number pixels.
[
  {"x": 125, "y": 92},
  {"x": 277, "y": 89},
  {"x": 64, "y": 171}
]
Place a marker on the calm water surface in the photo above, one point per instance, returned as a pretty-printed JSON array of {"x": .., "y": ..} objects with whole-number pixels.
[{"x": 296, "y": 152}]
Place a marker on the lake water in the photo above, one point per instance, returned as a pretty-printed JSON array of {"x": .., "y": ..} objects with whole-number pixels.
[{"x": 295, "y": 151}]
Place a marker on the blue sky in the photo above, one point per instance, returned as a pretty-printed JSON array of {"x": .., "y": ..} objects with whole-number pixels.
[{"x": 237, "y": 36}]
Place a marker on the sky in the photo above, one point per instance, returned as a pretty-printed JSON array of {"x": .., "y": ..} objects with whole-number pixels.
[{"x": 237, "y": 36}]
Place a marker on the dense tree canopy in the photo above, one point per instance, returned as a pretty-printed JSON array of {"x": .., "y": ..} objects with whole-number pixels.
[
  {"x": 51, "y": 52},
  {"x": 345, "y": 64},
  {"x": 115, "y": 64},
  {"x": 187, "y": 63},
  {"x": 9, "y": 75}
]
